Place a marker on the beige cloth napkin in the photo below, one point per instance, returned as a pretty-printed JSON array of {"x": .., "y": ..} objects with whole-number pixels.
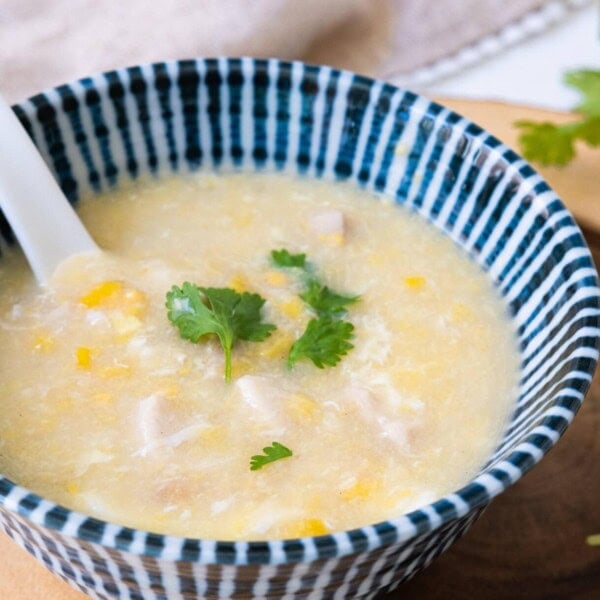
[{"x": 47, "y": 42}]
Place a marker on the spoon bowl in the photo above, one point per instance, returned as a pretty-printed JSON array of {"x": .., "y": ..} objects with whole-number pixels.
[{"x": 40, "y": 215}]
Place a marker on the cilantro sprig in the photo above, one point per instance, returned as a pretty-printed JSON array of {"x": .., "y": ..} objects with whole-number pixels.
[
  {"x": 199, "y": 311},
  {"x": 552, "y": 144},
  {"x": 324, "y": 341},
  {"x": 283, "y": 258},
  {"x": 324, "y": 301},
  {"x": 320, "y": 298},
  {"x": 326, "y": 337},
  {"x": 275, "y": 451}
]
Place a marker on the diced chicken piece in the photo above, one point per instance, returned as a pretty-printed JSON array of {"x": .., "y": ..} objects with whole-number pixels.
[
  {"x": 179, "y": 490},
  {"x": 381, "y": 385},
  {"x": 220, "y": 506},
  {"x": 376, "y": 347},
  {"x": 329, "y": 225},
  {"x": 269, "y": 517},
  {"x": 92, "y": 457},
  {"x": 393, "y": 429},
  {"x": 96, "y": 318},
  {"x": 148, "y": 422},
  {"x": 183, "y": 435},
  {"x": 263, "y": 397},
  {"x": 160, "y": 427}
]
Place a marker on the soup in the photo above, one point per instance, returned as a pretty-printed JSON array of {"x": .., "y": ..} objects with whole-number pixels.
[{"x": 107, "y": 408}]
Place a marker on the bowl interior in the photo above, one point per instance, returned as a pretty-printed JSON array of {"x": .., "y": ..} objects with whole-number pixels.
[{"x": 315, "y": 121}]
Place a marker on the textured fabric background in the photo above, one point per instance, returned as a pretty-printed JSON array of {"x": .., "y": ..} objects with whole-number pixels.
[{"x": 46, "y": 42}]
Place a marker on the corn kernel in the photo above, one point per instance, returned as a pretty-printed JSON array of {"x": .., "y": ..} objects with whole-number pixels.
[
  {"x": 276, "y": 279},
  {"x": 241, "y": 366},
  {"x": 135, "y": 302},
  {"x": 277, "y": 345},
  {"x": 302, "y": 406},
  {"x": 112, "y": 294},
  {"x": 171, "y": 391},
  {"x": 460, "y": 312},
  {"x": 213, "y": 437},
  {"x": 361, "y": 490},
  {"x": 83, "y": 357},
  {"x": 161, "y": 518},
  {"x": 43, "y": 343},
  {"x": 292, "y": 308},
  {"x": 72, "y": 488},
  {"x": 98, "y": 295},
  {"x": 305, "y": 528},
  {"x": 115, "y": 371},
  {"x": 124, "y": 325},
  {"x": 414, "y": 282},
  {"x": 239, "y": 283},
  {"x": 333, "y": 239},
  {"x": 102, "y": 397}
]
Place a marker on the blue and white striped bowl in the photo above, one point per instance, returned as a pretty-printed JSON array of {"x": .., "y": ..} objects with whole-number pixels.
[{"x": 319, "y": 122}]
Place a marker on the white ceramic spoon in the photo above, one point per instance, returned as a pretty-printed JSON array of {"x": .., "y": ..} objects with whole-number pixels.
[{"x": 40, "y": 215}]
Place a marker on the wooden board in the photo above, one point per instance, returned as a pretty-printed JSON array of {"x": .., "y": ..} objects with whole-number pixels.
[{"x": 530, "y": 543}]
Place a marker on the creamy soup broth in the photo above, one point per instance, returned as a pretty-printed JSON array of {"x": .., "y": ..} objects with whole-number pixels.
[{"x": 106, "y": 409}]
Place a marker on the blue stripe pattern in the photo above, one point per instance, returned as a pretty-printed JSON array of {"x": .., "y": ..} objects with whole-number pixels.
[{"x": 256, "y": 114}]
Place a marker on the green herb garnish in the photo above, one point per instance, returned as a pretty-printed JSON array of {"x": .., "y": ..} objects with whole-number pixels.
[
  {"x": 593, "y": 540},
  {"x": 283, "y": 258},
  {"x": 324, "y": 342},
  {"x": 275, "y": 451},
  {"x": 551, "y": 144},
  {"x": 198, "y": 311},
  {"x": 326, "y": 338},
  {"x": 324, "y": 301}
]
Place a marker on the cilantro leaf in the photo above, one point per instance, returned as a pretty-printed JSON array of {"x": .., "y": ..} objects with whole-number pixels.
[
  {"x": 241, "y": 310},
  {"x": 551, "y": 144},
  {"x": 325, "y": 301},
  {"x": 546, "y": 143},
  {"x": 590, "y": 131},
  {"x": 275, "y": 451},
  {"x": 588, "y": 83},
  {"x": 326, "y": 338},
  {"x": 231, "y": 316},
  {"x": 283, "y": 258},
  {"x": 324, "y": 341}
]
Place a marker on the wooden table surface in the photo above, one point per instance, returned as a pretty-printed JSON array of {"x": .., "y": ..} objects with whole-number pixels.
[{"x": 530, "y": 543}]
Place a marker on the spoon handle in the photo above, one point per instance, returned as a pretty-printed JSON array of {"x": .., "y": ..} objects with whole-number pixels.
[{"x": 40, "y": 215}]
